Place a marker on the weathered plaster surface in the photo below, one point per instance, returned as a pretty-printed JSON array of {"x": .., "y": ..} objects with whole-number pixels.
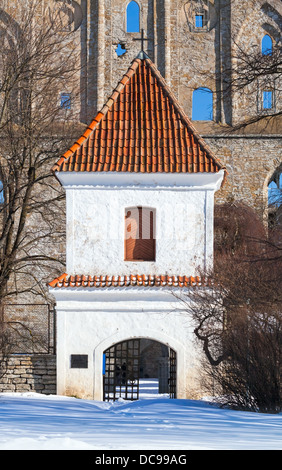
[
  {"x": 90, "y": 322},
  {"x": 183, "y": 232}
]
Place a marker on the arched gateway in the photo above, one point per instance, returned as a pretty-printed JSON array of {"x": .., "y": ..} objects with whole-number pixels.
[
  {"x": 127, "y": 362},
  {"x": 140, "y": 187}
]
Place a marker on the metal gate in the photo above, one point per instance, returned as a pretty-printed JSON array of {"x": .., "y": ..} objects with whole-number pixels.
[
  {"x": 121, "y": 371},
  {"x": 172, "y": 373}
]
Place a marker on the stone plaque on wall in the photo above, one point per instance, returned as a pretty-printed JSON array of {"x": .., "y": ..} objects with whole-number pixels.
[{"x": 79, "y": 361}]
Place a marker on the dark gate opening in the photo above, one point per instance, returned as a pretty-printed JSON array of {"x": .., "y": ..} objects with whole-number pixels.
[{"x": 128, "y": 362}]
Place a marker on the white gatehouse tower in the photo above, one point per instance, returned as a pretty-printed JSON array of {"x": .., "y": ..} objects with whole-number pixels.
[{"x": 140, "y": 187}]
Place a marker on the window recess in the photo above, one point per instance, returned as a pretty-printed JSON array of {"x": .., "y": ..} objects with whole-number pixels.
[{"x": 140, "y": 242}]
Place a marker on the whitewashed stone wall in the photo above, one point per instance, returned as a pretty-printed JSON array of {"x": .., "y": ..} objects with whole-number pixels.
[
  {"x": 91, "y": 321},
  {"x": 96, "y": 222}
]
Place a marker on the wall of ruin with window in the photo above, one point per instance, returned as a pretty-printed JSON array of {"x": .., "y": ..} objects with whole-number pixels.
[{"x": 191, "y": 42}]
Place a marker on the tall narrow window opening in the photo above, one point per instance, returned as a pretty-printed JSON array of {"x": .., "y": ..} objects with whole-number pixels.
[
  {"x": 65, "y": 101},
  {"x": 266, "y": 45},
  {"x": 140, "y": 242},
  {"x": 267, "y": 99},
  {"x": 199, "y": 21},
  {"x": 133, "y": 18},
  {"x": 202, "y": 104},
  {"x": 1, "y": 193},
  {"x": 275, "y": 199}
]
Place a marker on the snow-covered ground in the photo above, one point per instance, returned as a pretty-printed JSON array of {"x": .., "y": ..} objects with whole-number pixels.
[{"x": 30, "y": 421}]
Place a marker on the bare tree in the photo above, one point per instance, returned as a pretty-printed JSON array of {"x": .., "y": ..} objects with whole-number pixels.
[
  {"x": 5, "y": 344},
  {"x": 238, "y": 315},
  {"x": 248, "y": 73},
  {"x": 39, "y": 60},
  {"x": 255, "y": 77}
]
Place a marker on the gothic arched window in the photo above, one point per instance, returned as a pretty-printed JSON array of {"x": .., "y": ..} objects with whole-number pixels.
[
  {"x": 140, "y": 242},
  {"x": 133, "y": 18},
  {"x": 266, "y": 45},
  {"x": 202, "y": 104}
]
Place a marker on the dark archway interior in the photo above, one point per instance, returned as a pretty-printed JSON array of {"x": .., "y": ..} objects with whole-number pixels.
[{"x": 130, "y": 363}]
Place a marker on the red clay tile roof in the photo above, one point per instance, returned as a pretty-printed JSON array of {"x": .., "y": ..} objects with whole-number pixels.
[
  {"x": 141, "y": 128},
  {"x": 125, "y": 281}
]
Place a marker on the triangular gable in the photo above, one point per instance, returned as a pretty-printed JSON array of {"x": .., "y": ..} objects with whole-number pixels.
[{"x": 141, "y": 128}]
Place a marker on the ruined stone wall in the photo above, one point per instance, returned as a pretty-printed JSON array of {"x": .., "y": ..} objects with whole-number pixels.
[
  {"x": 250, "y": 162},
  {"x": 250, "y": 22},
  {"x": 30, "y": 374},
  {"x": 26, "y": 23},
  {"x": 189, "y": 58},
  {"x": 186, "y": 56}
]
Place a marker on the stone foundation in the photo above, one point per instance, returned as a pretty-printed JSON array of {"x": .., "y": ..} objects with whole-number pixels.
[{"x": 30, "y": 374}]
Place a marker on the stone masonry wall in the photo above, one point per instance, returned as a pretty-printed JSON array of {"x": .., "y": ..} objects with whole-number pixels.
[
  {"x": 250, "y": 162},
  {"x": 30, "y": 374}
]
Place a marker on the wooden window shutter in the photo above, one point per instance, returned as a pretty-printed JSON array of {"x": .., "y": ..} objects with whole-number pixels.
[{"x": 140, "y": 240}]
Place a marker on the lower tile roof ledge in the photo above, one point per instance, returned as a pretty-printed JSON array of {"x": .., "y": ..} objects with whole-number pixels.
[{"x": 143, "y": 280}]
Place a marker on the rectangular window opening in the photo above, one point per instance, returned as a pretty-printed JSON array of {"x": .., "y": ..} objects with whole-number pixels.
[
  {"x": 140, "y": 243},
  {"x": 267, "y": 98},
  {"x": 199, "y": 21},
  {"x": 65, "y": 101}
]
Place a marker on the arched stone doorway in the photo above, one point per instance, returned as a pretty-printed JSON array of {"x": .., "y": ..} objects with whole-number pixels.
[{"x": 126, "y": 364}]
